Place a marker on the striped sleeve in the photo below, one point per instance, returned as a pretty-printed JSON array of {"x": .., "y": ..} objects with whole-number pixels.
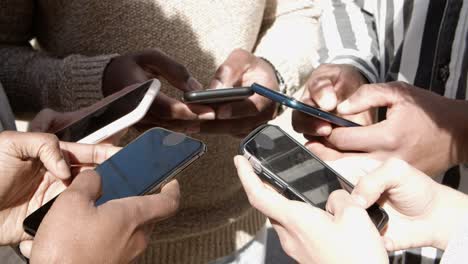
[{"x": 349, "y": 35}]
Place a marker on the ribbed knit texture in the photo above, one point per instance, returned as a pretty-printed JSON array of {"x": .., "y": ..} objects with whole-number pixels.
[{"x": 79, "y": 37}]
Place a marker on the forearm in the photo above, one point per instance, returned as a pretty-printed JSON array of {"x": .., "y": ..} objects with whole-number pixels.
[
  {"x": 290, "y": 40},
  {"x": 34, "y": 80}
]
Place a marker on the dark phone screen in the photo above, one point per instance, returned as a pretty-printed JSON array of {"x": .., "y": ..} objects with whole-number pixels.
[
  {"x": 294, "y": 165},
  {"x": 104, "y": 115},
  {"x": 136, "y": 169},
  {"x": 145, "y": 163}
]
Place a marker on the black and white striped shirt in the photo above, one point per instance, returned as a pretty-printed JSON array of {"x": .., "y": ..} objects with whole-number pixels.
[{"x": 421, "y": 42}]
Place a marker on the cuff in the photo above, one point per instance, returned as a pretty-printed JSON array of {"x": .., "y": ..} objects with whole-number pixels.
[
  {"x": 83, "y": 79},
  {"x": 366, "y": 66}
]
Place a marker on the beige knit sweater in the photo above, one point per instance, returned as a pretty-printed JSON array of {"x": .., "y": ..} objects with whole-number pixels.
[{"x": 77, "y": 39}]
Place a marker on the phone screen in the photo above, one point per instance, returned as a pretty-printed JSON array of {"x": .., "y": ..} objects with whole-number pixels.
[
  {"x": 139, "y": 168},
  {"x": 297, "y": 167},
  {"x": 296, "y": 105},
  {"x": 146, "y": 163},
  {"x": 104, "y": 112}
]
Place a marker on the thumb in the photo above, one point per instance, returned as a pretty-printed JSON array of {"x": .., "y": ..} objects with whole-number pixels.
[
  {"x": 385, "y": 178},
  {"x": 229, "y": 74},
  {"x": 367, "y": 97},
  {"x": 154, "y": 207},
  {"x": 26, "y": 247},
  {"x": 45, "y": 147},
  {"x": 88, "y": 183},
  {"x": 322, "y": 92}
]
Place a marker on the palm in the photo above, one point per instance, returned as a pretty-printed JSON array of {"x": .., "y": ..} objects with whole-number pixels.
[{"x": 40, "y": 186}]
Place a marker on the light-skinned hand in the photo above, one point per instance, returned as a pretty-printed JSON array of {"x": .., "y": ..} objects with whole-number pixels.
[
  {"x": 421, "y": 211},
  {"x": 311, "y": 235}
]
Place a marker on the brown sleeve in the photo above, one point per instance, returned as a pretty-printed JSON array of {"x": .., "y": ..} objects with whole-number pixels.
[{"x": 33, "y": 79}]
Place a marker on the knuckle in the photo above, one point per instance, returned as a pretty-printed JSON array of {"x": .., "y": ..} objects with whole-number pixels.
[
  {"x": 181, "y": 71},
  {"x": 240, "y": 51}
]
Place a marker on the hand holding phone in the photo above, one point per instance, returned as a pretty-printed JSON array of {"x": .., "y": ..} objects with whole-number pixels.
[
  {"x": 296, "y": 105},
  {"x": 216, "y": 96},
  {"x": 294, "y": 171},
  {"x": 311, "y": 235},
  {"x": 111, "y": 233},
  {"x": 142, "y": 167}
]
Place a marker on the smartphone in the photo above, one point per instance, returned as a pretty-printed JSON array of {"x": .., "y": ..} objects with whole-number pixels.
[
  {"x": 304, "y": 108},
  {"x": 295, "y": 172},
  {"x": 110, "y": 115},
  {"x": 212, "y": 96},
  {"x": 142, "y": 167}
]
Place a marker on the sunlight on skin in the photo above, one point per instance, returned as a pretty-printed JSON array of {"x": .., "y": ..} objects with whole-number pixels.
[{"x": 352, "y": 168}]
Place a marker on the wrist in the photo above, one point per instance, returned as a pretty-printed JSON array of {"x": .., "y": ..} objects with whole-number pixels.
[
  {"x": 448, "y": 216},
  {"x": 279, "y": 78}
]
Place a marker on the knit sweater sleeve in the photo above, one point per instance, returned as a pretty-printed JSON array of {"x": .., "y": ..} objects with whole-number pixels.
[
  {"x": 289, "y": 39},
  {"x": 35, "y": 79}
]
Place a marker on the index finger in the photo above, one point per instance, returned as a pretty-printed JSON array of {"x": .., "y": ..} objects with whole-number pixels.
[
  {"x": 82, "y": 154},
  {"x": 363, "y": 138}
]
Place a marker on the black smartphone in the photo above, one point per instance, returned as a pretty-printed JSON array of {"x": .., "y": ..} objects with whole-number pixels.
[
  {"x": 212, "y": 96},
  {"x": 142, "y": 167},
  {"x": 295, "y": 171},
  {"x": 296, "y": 105}
]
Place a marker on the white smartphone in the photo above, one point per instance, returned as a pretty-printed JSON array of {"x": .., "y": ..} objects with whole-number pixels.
[{"x": 112, "y": 114}]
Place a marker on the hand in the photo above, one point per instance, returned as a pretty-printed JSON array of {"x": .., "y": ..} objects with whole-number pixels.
[
  {"x": 166, "y": 111},
  {"x": 50, "y": 121},
  {"x": 421, "y": 211},
  {"x": 76, "y": 231},
  {"x": 33, "y": 170},
  {"x": 327, "y": 86},
  {"x": 424, "y": 129},
  {"x": 242, "y": 68},
  {"x": 311, "y": 235}
]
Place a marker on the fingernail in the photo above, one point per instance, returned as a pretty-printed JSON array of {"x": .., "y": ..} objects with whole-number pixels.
[
  {"x": 344, "y": 107},
  {"x": 193, "y": 84},
  {"x": 207, "y": 116},
  {"x": 193, "y": 130},
  {"x": 225, "y": 112},
  {"x": 360, "y": 200},
  {"x": 63, "y": 168},
  {"x": 328, "y": 101}
]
